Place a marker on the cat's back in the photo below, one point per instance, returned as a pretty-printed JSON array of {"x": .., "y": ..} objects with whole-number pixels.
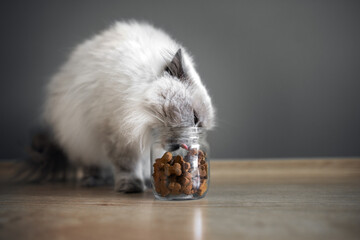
[
  {"x": 127, "y": 55},
  {"x": 134, "y": 50}
]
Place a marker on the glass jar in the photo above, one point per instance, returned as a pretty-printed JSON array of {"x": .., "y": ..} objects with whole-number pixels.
[{"x": 180, "y": 163}]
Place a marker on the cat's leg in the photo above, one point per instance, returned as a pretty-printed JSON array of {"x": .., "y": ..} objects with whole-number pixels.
[
  {"x": 146, "y": 166},
  {"x": 125, "y": 157},
  {"x": 128, "y": 175}
]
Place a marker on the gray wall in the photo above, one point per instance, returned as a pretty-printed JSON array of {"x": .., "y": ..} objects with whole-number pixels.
[{"x": 284, "y": 75}]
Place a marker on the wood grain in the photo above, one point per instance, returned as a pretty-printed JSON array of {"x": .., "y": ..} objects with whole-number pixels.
[{"x": 261, "y": 199}]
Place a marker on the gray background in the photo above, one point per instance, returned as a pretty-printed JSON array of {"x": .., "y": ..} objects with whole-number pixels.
[{"x": 284, "y": 75}]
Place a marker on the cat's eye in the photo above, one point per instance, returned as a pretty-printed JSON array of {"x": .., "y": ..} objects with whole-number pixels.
[{"x": 196, "y": 119}]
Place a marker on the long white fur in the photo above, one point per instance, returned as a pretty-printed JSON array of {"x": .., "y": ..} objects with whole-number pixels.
[{"x": 96, "y": 104}]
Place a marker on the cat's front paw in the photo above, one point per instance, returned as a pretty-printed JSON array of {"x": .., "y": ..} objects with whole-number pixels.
[{"x": 129, "y": 184}]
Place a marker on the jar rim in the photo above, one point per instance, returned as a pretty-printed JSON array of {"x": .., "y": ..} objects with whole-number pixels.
[
  {"x": 193, "y": 129},
  {"x": 187, "y": 132}
]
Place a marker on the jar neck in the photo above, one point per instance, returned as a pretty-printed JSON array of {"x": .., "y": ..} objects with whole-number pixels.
[{"x": 179, "y": 134}]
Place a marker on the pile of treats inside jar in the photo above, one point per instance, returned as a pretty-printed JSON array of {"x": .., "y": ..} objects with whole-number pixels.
[{"x": 173, "y": 175}]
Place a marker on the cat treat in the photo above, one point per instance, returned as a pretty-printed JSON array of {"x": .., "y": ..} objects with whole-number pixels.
[{"x": 175, "y": 175}]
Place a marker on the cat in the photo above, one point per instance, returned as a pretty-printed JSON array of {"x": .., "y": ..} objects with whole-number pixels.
[{"x": 114, "y": 89}]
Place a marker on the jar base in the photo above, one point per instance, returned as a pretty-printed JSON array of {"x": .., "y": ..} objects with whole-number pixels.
[{"x": 178, "y": 197}]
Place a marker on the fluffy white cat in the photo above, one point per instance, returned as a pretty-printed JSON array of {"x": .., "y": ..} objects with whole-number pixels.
[{"x": 113, "y": 89}]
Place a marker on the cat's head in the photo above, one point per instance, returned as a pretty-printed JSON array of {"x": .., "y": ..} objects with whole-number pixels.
[{"x": 178, "y": 98}]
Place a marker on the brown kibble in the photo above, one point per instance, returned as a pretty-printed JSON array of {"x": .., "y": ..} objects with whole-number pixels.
[
  {"x": 163, "y": 177},
  {"x": 201, "y": 154},
  {"x": 166, "y": 157},
  {"x": 203, "y": 171},
  {"x": 187, "y": 175},
  {"x": 186, "y": 184},
  {"x": 157, "y": 187},
  {"x": 158, "y": 168},
  {"x": 201, "y": 157},
  {"x": 184, "y": 181},
  {"x": 175, "y": 169},
  {"x": 187, "y": 189},
  {"x": 164, "y": 191},
  {"x": 202, "y": 188},
  {"x": 186, "y": 166},
  {"x": 179, "y": 159},
  {"x": 158, "y": 165},
  {"x": 156, "y": 176},
  {"x": 174, "y": 188}
]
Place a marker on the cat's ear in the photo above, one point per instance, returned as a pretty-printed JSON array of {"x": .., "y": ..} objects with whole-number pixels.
[{"x": 175, "y": 67}]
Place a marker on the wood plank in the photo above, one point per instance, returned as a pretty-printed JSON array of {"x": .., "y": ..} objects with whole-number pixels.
[{"x": 261, "y": 199}]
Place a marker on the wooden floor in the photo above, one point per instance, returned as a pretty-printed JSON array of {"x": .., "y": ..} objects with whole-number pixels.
[{"x": 262, "y": 199}]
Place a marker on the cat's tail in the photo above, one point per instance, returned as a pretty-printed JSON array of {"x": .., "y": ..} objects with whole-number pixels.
[{"x": 45, "y": 160}]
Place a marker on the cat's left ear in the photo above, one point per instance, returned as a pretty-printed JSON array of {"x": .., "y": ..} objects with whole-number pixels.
[{"x": 175, "y": 67}]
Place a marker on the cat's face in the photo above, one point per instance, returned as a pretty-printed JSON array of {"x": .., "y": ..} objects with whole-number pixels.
[{"x": 177, "y": 101}]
